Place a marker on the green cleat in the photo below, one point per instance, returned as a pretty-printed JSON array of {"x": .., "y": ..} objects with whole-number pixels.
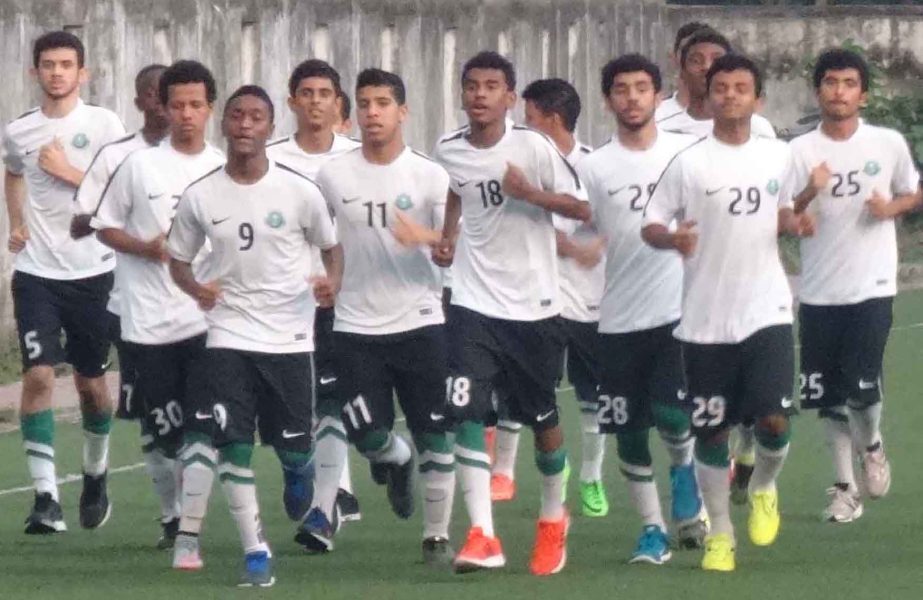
[{"x": 593, "y": 502}]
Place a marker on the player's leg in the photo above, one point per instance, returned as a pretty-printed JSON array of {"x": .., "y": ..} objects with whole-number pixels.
[
  {"x": 505, "y": 449},
  {"x": 744, "y": 457},
  {"x": 472, "y": 368},
  {"x": 39, "y": 330},
  {"x": 767, "y": 373}
]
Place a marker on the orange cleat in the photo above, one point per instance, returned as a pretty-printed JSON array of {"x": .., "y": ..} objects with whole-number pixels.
[
  {"x": 550, "y": 551},
  {"x": 502, "y": 488},
  {"x": 479, "y": 552}
]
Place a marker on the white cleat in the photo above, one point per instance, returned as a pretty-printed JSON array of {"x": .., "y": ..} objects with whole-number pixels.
[
  {"x": 844, "y": 506},
  {"x": 876, "y": 472},
  {"x": 186, "y": 555}
]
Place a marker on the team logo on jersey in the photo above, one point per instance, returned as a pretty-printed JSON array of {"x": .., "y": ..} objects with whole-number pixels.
[
  {"x": 773, "y": 187},
  {"x": 871, "y": 168},
  {"x": 403, "y": 202},
  {"x": 275, "y": 219},
  {"x": 80, "y": 140}
]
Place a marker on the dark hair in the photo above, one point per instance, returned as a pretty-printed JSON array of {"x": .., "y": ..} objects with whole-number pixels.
[
  {"x": 382, "y": 78},
  {"x": 685, "y": 31},
  {"x": 141, "y": 77},
  {"x": 253, "y": 90},
  {"x": 703, "y": 36},
  {"x": 555, "y": 96},
  {"x": 187, "y": 71},
  {"x": 836, "y": 59},
  {"x": 346, "y": 106},
  {"x": 629, "y": 63},
  {"x": 735, "y": 62},
  {"x": 57, "y": 39},
  {"x": 313, "y": 67},
  {"x": 491, "y": 60}
]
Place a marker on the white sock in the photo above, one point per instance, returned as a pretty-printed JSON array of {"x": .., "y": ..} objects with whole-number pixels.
[
  {"x": 716, "y": 489},
  {"x": 40, "y": 460},
  {"x": 839, "y": 440},
  {"x": 241, "y": 494},
  {"x": 767, "y": 467},
  {"x": 678, "y": 447},
  {"x": 198, "y": 473},
  {"x": 161, "y": 470},
  {"x": 866, "y": 426},
  {"x": 592, "y": 450},
  {"x": 642, "y": 489},
  {"x": 95, "y": 453},
  {"x": 474, "y": 476},
  {"x": 438, "y": 492},
  {"x": 330, "y": 458},
  {"x": 396, "y": 451},
  {"x": 745, "y": 449},
  {"x": 552, "y": 497},
  {"x": 346, "y": 480},
  {"x": 506, "y": 449}
]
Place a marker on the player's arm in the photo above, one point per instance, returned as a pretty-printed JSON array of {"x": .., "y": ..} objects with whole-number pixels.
[
  {"x": 881, "y": 208},
  {"x": 53, "y": 160},
  {"x": 515, "y": 184},
  {"x": 186, "y": 239},
  {"x": 817, "y": 181},
  {"x": 326, "y": 288},
  {"x": 663, "y": 207},
  {"x": 683, "y": 240},
  {"x": 586, "y": 254},
  {"x": 14, "y": 190},
  {"x": 444, "y": 252},
  {"x": 112, "y": 214},
  {"x": 120, "y": 241},
  {"x": 798, "y": 224}
]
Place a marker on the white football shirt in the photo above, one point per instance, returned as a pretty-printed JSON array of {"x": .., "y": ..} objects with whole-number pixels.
[
  {"x": 733, "y": 284},
  {"x": 643, "y": 286},
  {"x": 258, "y": 234},
  {"x": 669, "y": 107},
  {"x": 853, "y": 256},
  {"x": 506, "y": 263},
  {"x": 141, "y": 199},
  {"x": 683, "y": 123},
  {"x": 47, "y": 210},
  {"x": 387, "y": 288}
]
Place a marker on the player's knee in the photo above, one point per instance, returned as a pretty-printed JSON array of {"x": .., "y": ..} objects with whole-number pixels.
[
  {"x": 773, "y": 431},
  {"x": 711, "y": 448},
  {"x": 549, "y": 440},
  {"x": 371, "y": 441},
  {"x": 670, "y": 419},
  {"x": 862, "y": 398},
  {"x": 633, "y": 448},
  {"x": 437, "y": 443},
  {"x": 551, "y": 462},
  {"x": 37, "y": 385},
  {"x": 238, "y": 454},
  {"x": 93, "y": 393}
]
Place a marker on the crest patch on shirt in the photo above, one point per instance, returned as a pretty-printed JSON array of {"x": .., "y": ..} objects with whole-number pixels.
[
  {"x": 773, "y": 187},
  {"x": 403, "y": 202},
  {"x": 275, "y": 219},
  {"x": 80, "y": 141},
  {"x": 871, "y": 168}
]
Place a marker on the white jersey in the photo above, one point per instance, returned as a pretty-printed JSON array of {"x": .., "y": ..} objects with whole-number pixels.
[
  {"x": 387, "y": 288},
  {"x": 506, "y": 260},
  {"x": 258, "y": 234},
  {"x": 47, "y": 209},
  {"x": 93, "y": 186},
  {"x": 853, "y": 256},
  {"x": 670, "y": 107},
  {"x": 581, "y": 288},
  {"x": 733, "y": 284},
  {"x": 682, "y": 122},
  {"x": 141, "y": 199},
  {"x": 643, "y": 286}
]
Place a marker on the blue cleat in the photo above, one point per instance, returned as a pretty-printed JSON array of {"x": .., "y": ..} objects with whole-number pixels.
[
  {"x": 316, "y": 531},
  {"x": 299, "y": 490},
  {"x": 257, "y": 571},
  {"x": 653, "y": 547}
]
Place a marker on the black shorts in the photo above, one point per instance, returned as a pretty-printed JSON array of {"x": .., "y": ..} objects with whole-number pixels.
[
  {"x": 732, "y": 383},
  {"x": 44, "y": 307},
  {"x": 374, "y": 368},
  {"x": 842, "y": 349},
  {"x": 640, "y": 369},
  {"x": 328, "y": 402},
  {"x": 581, "y": 359},
  {"x": 173, "y": 379},
  {"x": 521, "y": 357},
  {"x": 131, "y": 406},
  {"x": 275, "y": 390}
]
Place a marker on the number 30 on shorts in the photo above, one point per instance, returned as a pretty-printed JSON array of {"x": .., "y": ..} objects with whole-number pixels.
[
  {"x": 709, "y": 412},
  {"x": 458, "y": 390}
]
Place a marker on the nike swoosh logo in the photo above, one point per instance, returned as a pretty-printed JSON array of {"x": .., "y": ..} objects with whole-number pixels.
[
  {"x": 153, "y": 196},
  {"x": 714, "y": 191},
  {"x": 289, "y": 435},
  {"x": 202, "y": 417},
  {"x": 435, "y": 417},
  {"x": 541, "y": 418},
  {"x": 33, "y": 151},
  {"x": 867, "y": 385},
  {"x": 616, "y": 191},
  {"x": 326, "y": 380},
  {"x": 786, "y": 402},
  {"x": 680, "y": 395},
  {"x": 462, "y": 184},
  {"x": 219, "y": 221},
  {"x": 348, "y": 200}
]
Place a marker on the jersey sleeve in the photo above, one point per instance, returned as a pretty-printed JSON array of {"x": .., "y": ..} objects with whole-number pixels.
[
  {"x": 557, "y": 175},
  {"x": 441, "y": 183},
  {"x": 115, "y": 202},
  {"x": 760, "y": 125},
  {"x": 667, "y": 202},
  {"x": 187, "y": 236},
  {"x": 316, "y": 222},
  {"x": 91, "y": 189},
  {"x": 906, "y": 179},
  {"x": 787, "y": 186},
  {"x": 12, "y": 157},
  {"x": 324, "y": 181}
]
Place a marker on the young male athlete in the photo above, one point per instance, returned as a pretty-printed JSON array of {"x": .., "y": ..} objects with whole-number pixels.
[
  {"x": 163, "y": 329},
  {"x": 678, "y": 102},
  {"x": 642, "y": 379},
  {"x": 314, "y": 92},
  {"x": 59, "y": 284},
  {"x": 732, "y": 192},
  {"x": 388, "y": 332},
  {"x": 259, "y": 216},
  {"x": 855, "y": 178},
  {"x": 506, "y": 182}
]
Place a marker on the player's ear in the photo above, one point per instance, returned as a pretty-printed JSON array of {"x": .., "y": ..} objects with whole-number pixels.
[
  {"x": 864, "y": 100},
  {"x": 83, "y": 75},
  {"x": 403, "y": 111},
  {"x": 290, "y": 101},
  {"x": 510, "y": 100},
  {"x": 758, "y": 107}
]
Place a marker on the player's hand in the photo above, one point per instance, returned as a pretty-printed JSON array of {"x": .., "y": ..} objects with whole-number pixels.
[
  {"x": 515, "y": 183},
  {"x": 53, "y": 160},
  {"x": 588, "y": 254},
  {"x": 208, "y": 295},
  {"x": 325, "y": 290},
  {"x": 156, "y": 249},
  {"x": 879, "y": 206},
  {"x": 443, "y": 252},
  {"x": 409, "y": 233},
  {"x": 802, "y": 224},
  {"x": 80, "y": 226},
  {"x": 820, "y": 177},
  {"x": 685, "y": 238},
  {"x": 18, "y": 238}
]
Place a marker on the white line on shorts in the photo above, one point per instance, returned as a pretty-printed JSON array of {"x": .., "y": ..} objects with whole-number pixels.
[{"x": 71, "y": 478}]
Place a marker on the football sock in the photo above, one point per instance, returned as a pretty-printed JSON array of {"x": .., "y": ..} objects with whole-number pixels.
[
  {"x": 865, "y": 424},
  {"x": 636, "y": 465},
  {"x": 240, "y": 488},
  {"x": 506, "y": 448},
  {"x": 96, "y": 428},
  {"x": 673, "y": 426},
  {"x": 384, "y": 447},
  {"x": 346, "y": 480},
  {"x": 38, "y": 442},
  {"x": 162, "y": 471},
  {"x": 745, "y": 449},
  {"x": 771, "y": 450},
  {"x": 839, "y": 440},
  {"x": 330, "y": 457},
  {"x": 551, "y": 465},
  {"x": 437, "y": 470},
  {"x": 474, "y": 474},
  {"x": 198, "y": 459},
  {"x": 712, "y": 470},
  {"x": 593, "y": 445}
]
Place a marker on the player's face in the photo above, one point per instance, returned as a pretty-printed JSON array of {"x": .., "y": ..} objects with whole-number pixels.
[
  {"x": 633, "y": 99},
  {"x": 315, "y": 103},
  {"x": 148, "y": 101},
  {"x": 538, "y": 119},
  {"x": 733, "y": 95},
  {"x": 486, "y": 96},
  {"x": 188, "y": 110},
  {"x": 840, "y": 94},
  {"x": 379, "y": 114},
  {"x": 247, "y": 125},
  {"x": 699, "y": 60},
  {"x": 59, "y": 73}
]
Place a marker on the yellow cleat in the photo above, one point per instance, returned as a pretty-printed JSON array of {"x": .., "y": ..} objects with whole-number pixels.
[
  {"x": 764, "y": 517},
  {"x": 719, "y": 553}
]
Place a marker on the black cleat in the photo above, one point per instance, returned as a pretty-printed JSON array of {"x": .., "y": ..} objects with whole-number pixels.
[
  {"x": 348, "y": 506},
  {"x": 168, "y": 537},
  {"x": 316, "y": 531},
  {"x": 95, "y": 507},
  {"x": 400, "y": 488},
  {"x": 379, "y": 472},
  {"x": 437, "y": 552},
  {"x": 46, "y": 516}
]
